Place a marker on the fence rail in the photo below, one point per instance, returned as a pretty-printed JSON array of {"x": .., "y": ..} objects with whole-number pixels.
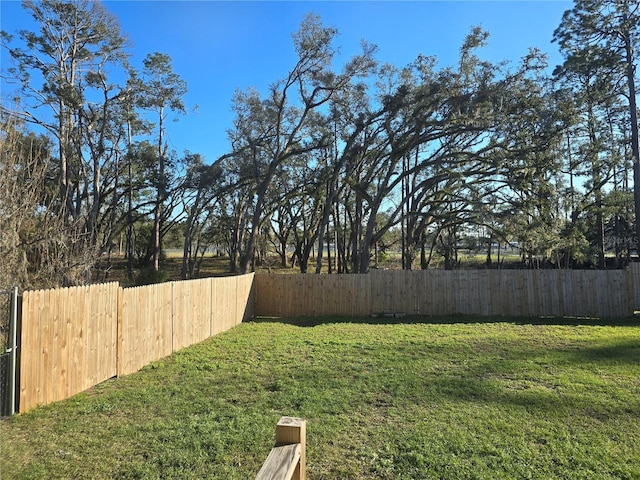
[{"x": 74, "y": 338}]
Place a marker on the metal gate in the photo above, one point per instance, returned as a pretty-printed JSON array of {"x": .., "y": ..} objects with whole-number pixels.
[{"x": 8, "y": 351}]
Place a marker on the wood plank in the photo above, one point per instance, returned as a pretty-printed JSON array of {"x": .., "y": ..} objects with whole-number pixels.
[
  {"x": 82, "y": 328},
  {"x": 293, "y": 430},
  {"x": 224, "y": 303},
  {"x": 214, "y": 311},
  {"x": 377, "y": 302},
  {"x": 92, "y": 337},
  {"x": 112, "y": 323},
  {"x": 164, "y": 311},
  {"x": 180, "y": 333},
  {"x": 57, "y": 388},
  {"x": 26, "y": 344},
  {"x": 429, "y": 294},
  {"x": 49, "y": 311},
  {"x": 494, "y": 296},
  {"x": 316, "y": 298},
  {"x": 264, "y": 298},
  {"x": 360, "y": 295},
  {"x": 75, "y": 323},
  {"x": 560, "y": 288},
  {"x": 603, "y": 294},
  {"x": 485, "y": 291},
  {"x": 281, "y": 463},
  {"x": 126, "y": 341}
]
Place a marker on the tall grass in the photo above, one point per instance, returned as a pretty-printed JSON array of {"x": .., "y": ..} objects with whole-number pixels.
[{"x": 428, "y": 398}]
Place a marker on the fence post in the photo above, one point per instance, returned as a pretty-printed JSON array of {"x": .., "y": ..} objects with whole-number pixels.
[
  {"x": 14, "y": 353},
  {"x": 631, "y": 290},
  {"x": 294, "y": 430}
]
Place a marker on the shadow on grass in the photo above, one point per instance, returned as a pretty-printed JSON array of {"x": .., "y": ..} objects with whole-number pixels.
[
  {"x": 627, "y": 351},
  {"x": 451, "y": 320}
]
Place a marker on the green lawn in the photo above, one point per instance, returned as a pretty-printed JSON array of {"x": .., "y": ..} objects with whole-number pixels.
[{"x": 428, "y": 398}]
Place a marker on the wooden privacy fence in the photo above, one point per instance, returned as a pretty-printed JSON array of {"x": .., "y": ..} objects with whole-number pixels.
[
  {"x": 571, "y": 293},
  {"x": 159, "y": 319},
  {"x": 69, "y": 341},
  {"x": 74, "y": 338}
]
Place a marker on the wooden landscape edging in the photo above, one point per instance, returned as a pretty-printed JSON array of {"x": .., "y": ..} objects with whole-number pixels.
[{"x": 287, "y": 460}]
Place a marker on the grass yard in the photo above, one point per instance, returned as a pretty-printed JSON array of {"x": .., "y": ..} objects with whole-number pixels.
[{"x": 451, "y": 398}]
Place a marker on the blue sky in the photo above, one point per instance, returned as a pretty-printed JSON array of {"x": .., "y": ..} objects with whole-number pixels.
[{"x": 220, "y": 46}]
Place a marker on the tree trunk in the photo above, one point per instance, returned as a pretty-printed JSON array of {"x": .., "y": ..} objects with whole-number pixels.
[
  {"x": 187, "y": 251},
  {"x": 247, "y": 255},
  {"x": 157, "y": 211},
  {"x": 129, "y": 202},
  {"x": 635, "y": 149}
]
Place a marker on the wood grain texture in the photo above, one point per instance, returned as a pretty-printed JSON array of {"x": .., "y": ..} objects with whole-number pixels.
[
  {"x": 281, "y": 463},
  {"x": 526, "y": 293}
]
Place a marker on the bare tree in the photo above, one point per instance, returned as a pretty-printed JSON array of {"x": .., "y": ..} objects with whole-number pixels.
[{"x": 35, "y": 237}]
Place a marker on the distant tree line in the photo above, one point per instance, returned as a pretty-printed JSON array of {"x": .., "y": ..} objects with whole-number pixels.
[{"x": 328, "y": 165}]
